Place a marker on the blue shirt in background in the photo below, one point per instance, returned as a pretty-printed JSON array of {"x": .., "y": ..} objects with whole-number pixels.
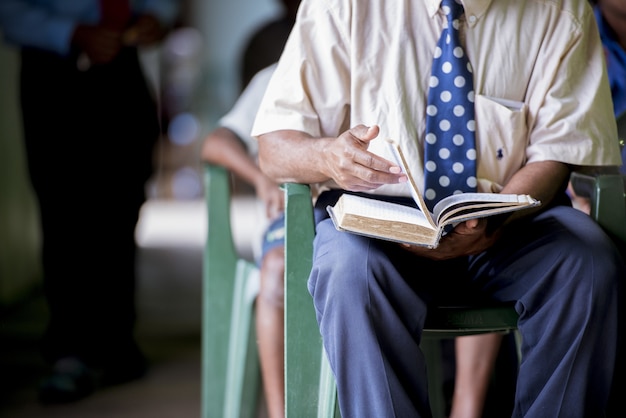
[
  {"x": 49, "y": 24},
  {"x": 616, "y": 64},
  {"x": 616, "y": 68}
]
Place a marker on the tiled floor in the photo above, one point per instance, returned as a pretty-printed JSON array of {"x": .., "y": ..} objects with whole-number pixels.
[{"x": 170, "y": 235}]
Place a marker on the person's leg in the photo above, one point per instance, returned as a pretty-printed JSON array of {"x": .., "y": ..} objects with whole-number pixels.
[
  {"x": 129, "y": 128},
  {"x": 564, "y": 274},
  {"x": 109, "y": 119},
  {"x": 371, "y": 301},
  {"x": 270, "y": 330},
  {"x": 270, "y": 310},
  {"x": 475, "y": 359}
]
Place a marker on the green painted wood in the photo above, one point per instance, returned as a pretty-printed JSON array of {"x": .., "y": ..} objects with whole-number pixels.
[
  {"x": 609, "y": 206},
  {"x": 303, "y": 342},
  {"x": 328, "y": 404},
  {"x": 230, "y": 370},
  {"x": 455, "y": 321},
  {"x": 243, "y": 378}
]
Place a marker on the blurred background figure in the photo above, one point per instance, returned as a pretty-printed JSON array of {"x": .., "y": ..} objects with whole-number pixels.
[
  {"x": 196, "y": 72},
  {"x": 90, "y": 121},
  {"x": 266, "y": 43},
  {"x": 230, "y": 145},
  {"x": 179, "y": 75},
  {"x": 611, "y": 18}
]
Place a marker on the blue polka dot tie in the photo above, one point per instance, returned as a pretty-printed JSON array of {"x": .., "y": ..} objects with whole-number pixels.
[{"x": 450, "y": 151}]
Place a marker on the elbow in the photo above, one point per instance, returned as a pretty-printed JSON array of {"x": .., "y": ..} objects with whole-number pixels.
[
  {"x": 268, "y": 159},
  {"x": 268, "y": 166},
  {"x": 289, "y": 156},
  {"x": 206, "y": 153}
]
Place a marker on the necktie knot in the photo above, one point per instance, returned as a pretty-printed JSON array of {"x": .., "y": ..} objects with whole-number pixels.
[{"x": 452, "y": 9}]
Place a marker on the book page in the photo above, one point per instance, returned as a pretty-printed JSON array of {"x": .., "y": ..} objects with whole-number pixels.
[
  {"x": 400, "y": 160},
  {"x": 471, "y": 209},
  {"x": 466, "y": 205},
  {"x": 379, "y": 209},
  {"x": 382, "y": 220}
]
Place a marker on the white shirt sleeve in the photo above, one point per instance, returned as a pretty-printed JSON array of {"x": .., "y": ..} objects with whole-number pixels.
[{"x": 241, "y": 117}]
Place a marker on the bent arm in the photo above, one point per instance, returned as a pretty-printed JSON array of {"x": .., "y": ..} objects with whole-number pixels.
[
  {"x": 542, "y": 180},
  {"x": 289, "y": 156},
  {"x": 295, "y": 156},
  {"x": 224, "y": 148}
]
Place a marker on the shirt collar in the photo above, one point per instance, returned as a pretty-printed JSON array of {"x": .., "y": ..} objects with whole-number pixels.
[{"x": 472, "y": 7}]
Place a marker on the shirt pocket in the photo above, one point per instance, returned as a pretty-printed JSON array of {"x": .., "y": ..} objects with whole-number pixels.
[{"x": 501, "y": 140}]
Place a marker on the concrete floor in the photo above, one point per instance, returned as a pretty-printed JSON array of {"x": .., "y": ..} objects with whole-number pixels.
[{"x": 170, "y": 235}]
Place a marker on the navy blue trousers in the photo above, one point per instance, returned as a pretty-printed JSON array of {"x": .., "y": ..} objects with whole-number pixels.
[{"x": 371, "y": 299}]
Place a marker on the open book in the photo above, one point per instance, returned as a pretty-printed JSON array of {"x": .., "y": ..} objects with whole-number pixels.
[{"x": 395, "y": 222}]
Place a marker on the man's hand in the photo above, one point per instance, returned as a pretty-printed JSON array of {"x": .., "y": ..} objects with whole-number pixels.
[
  {"x": 100, "y": 44},
  {"x": 272, "y": 195},
  {"x": 467, "y": 238},
  {"x": 352, "y": 167},
  {"x": 145, "y": 31}
]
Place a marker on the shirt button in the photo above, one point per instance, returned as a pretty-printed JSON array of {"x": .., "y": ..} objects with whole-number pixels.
[{"x": 472, "y": 19}]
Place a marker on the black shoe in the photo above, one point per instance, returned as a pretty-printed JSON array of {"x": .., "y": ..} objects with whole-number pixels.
[{"x": 69, "y": 381}]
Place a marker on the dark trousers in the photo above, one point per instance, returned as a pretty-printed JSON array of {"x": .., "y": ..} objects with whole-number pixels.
[
  {"x": 89, "y": 139},
  {"x": 560, "y": 269}
]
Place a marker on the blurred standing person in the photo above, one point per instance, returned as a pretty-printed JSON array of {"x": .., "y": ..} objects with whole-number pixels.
[{"x": 90, "y": 123}]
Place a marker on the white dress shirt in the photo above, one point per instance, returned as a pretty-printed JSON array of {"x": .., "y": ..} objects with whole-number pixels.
[{"x": 540, "y": 80}]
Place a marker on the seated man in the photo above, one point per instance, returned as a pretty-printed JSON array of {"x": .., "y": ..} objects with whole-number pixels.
[
  {"x": 231, "y": 146},
  {"x": 356, "y": 74}
]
